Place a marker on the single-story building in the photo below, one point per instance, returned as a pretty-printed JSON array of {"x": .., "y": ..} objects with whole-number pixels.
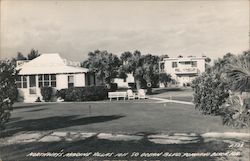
[
  {"x": 50, "y": 70},
  {"x": 124, "y": 83}
]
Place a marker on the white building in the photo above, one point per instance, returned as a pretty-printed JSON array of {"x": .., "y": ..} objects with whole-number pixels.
[
  {"x": 183, "y": 70},
  {"x": 124, "y": 83},
  {"x": 49, "y": 70}
]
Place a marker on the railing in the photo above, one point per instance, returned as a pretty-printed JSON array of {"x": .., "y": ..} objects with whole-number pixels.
[
  {"x": 72, "y": 63},
  {"x": 186, "y": 71}
]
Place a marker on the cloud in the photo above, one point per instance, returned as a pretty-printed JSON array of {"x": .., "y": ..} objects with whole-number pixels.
[{"x": 163, "y": 27}]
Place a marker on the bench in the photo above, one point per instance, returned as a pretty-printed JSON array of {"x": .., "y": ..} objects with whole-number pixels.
[{"x": 117, "y": 95}]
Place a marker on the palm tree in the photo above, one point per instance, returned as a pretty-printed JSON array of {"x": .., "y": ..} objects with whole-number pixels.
[{"x": 238, "y": 72}]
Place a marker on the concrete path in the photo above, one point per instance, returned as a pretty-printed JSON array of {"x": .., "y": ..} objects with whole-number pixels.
[
  {"x": 173, "y": 138},
  {"x": 163, "y": 100}
]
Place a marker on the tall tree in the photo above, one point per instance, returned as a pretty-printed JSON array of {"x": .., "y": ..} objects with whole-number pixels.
[
  {"x": 132, "y": 63},
  {"x": 33, "y": 54},
  {"x": 8, "y": 75},
  {"x": 143, "y": 67},
  {"x": 8, "y": 89},
  {"x": 20, "y": 56},
  {"x": 105, "y": 65},
  {"x": 238, "y": 71},
  {"x": 150, "y": 69}
]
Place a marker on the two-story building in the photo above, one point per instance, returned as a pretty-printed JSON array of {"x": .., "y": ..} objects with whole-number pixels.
[
  {"x": 183, "y": 70},
  {"x": 50, "y": 70}
]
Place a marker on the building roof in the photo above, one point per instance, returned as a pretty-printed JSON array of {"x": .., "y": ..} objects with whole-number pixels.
[
  {"x": 185, "y": 58},
  {"x": 51, "y": 63}
]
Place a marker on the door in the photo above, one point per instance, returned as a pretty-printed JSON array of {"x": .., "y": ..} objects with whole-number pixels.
[{"x": 32, "y": 84}]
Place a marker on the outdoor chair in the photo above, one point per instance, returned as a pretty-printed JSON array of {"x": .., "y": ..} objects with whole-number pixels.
[
  {"x": 141, "y": 94},
  {"x": 130, "y": 94}
]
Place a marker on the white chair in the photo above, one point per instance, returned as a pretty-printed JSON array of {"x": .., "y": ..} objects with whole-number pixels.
[
  {"x": 130, "y": 94},
  {"x": 141, "y": 94}
]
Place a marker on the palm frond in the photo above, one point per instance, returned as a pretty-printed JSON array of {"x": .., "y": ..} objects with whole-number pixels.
[{"x": 238, "y": 71}]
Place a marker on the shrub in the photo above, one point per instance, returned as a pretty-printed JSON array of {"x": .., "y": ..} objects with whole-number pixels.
[
  {"x": 113, "y": 87},
  {"x": 235, "y": 112},
  {"x": 132, "y": 85},
  {"x": 8, "y": 90},
  {"x": 5, "y": 108},
  {"x": 47, "y": 92},
  {"x": 91, "y": 93},
  {"x": 209, "y": 93}
]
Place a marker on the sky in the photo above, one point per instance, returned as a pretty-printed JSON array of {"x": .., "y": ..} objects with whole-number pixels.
[{"x": 74, "y": 28}]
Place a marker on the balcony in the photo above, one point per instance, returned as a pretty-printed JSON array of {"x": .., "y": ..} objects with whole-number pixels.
[
  {"x": 72, "y": 63},
  {"x": 189, "y": 70}
]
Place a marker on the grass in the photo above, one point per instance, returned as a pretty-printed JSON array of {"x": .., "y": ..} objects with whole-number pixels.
[
  {"x": 145, "y": 117},
  {"x": 180, "y": 94},
  {"x": 115, "y": 117}
]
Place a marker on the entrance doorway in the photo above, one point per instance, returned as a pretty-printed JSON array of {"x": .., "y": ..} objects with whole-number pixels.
[{"x": 32, "y": 84}]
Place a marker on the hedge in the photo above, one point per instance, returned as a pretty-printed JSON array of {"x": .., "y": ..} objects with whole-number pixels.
[
  {"x": 47, "y": 93},
  {"x": 90, "y": 93}
]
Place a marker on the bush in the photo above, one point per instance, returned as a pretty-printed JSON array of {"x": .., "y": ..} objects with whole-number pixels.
[
  {"x": 113, "y": 87},
  {"x": 236, "y": 113},
  {"x": 91, "y": 93},
  {"x": 5, "y": 109},
  {"x": 47, "y": 92},
  {"x": 8, "y": 90},
  {"x": 132, "y": 85},
  {"x": 209, "y": 93}
]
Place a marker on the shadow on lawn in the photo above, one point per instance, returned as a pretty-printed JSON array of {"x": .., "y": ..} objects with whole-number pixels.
[
  {"x": 52, "y": 123},
  {"x": 106, "y": 146},
  {"x": 35, "y": 110},
  {"x": 28, "y": 106}
]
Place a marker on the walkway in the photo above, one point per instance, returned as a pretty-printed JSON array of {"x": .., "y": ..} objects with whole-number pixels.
[
  {"x": 163, "y": 100},
  {"x": 173, "y": 138}
]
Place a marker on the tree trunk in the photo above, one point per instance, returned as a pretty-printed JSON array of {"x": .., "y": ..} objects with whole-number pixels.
[
  {"x": 149, "y": 90},
  {"x": 138, "y": 84}
]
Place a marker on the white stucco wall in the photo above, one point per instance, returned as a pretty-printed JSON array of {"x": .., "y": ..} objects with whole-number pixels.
[
  {"x": 79, "y": 80},
  {"x": 201, "y": 65},
  {"x": 120, "y": 82},
  {"x": 61, "y": 81},
  {"x": 184, "y": 77}
]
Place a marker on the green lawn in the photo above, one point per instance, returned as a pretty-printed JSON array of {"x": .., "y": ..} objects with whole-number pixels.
[
  {"x": 133, "y": 117},
  {"x": 116, "y": 116},
  {"x": 180, "y": 94}
]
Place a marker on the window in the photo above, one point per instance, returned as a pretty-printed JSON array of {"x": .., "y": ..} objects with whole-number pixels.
[
  {"x": 24, "y": 81},
  {"x": 162, "y": 66},
  {"x": 70, "y": 81},
  {"x": 53, "y": 80},
  {"x": 21, "y": 81},
  {"x": 47, "y": 80},
  {"x": 174, "y": 64},
  {"x": 194, "y": 63},
  {"x": 40, "y": 80}
]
